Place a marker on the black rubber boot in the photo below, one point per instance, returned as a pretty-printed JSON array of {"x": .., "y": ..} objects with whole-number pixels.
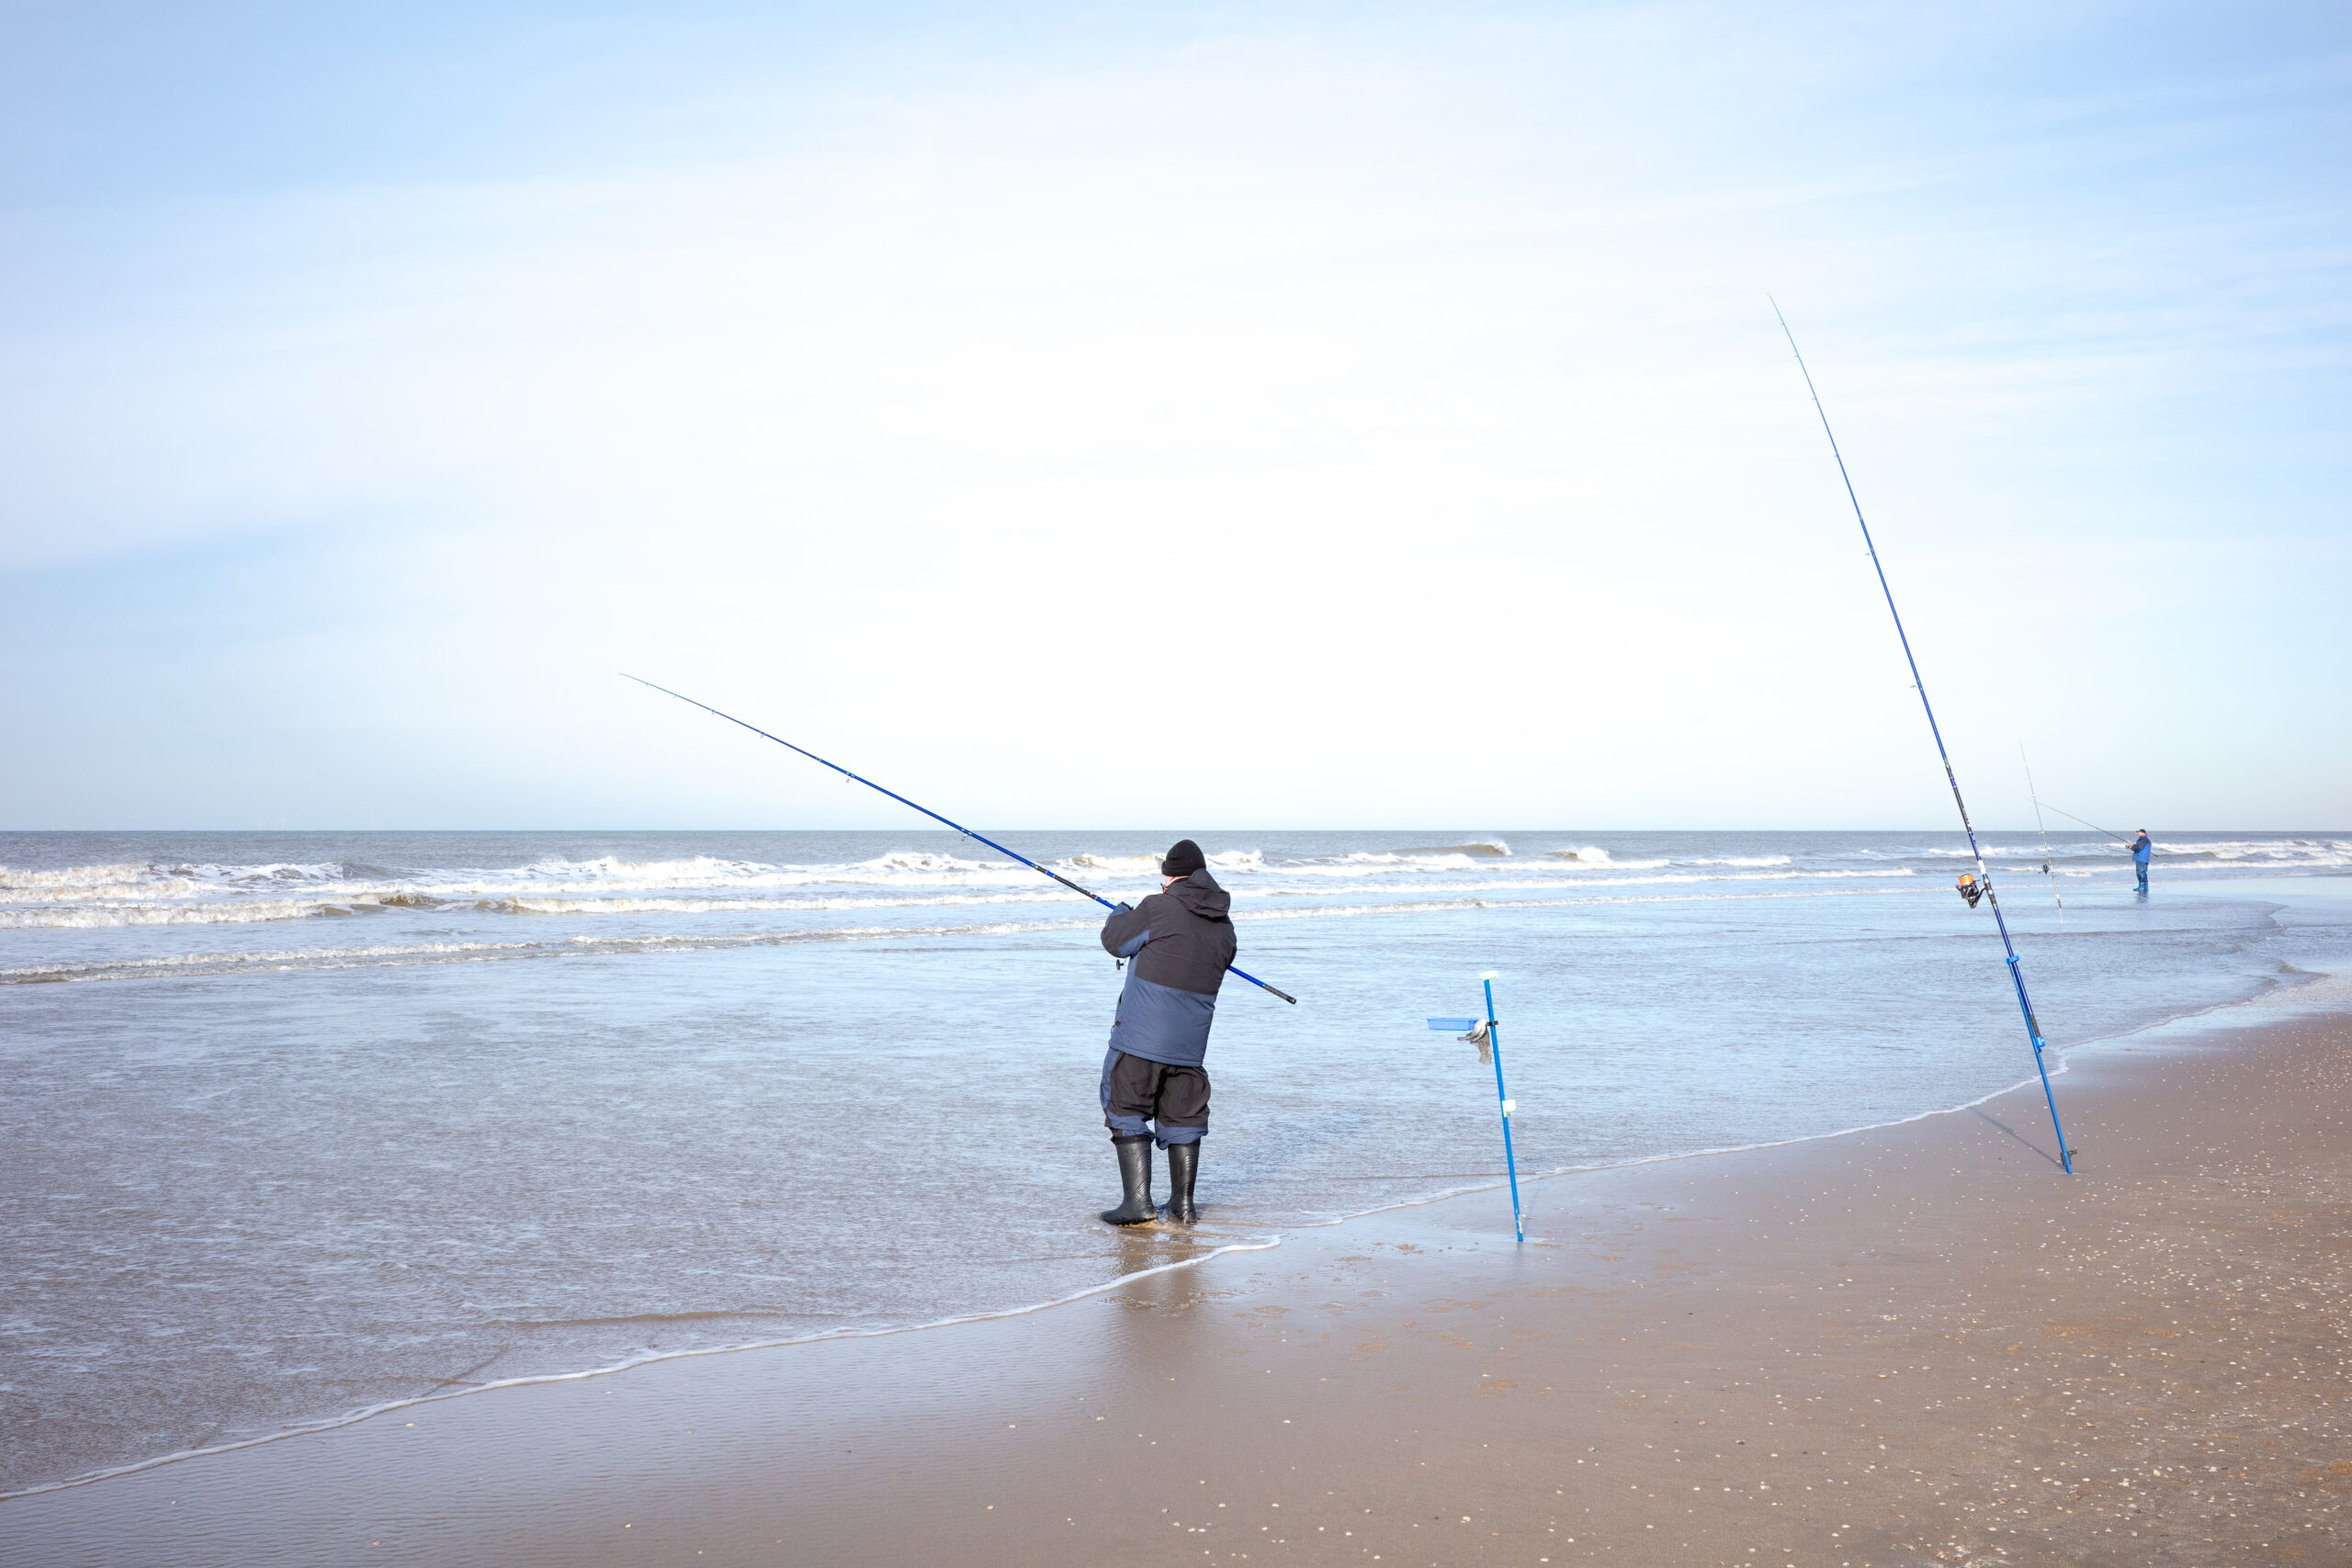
[
  {"x": 1134, "y": 1174},
  {"x": 1183, "y": 1163}
]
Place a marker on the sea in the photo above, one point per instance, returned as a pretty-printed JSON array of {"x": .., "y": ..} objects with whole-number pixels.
[{"x": 302, "y": 1125}]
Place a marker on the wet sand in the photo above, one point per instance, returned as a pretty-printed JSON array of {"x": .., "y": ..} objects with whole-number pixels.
[{"x": 1923, "y": 1344}]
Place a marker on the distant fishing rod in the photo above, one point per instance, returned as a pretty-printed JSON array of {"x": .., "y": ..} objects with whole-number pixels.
[
  {"x": 1984, "y": 877},
  {"x": 934, "y": 816},
  {"x": 2034, "y": 794}
]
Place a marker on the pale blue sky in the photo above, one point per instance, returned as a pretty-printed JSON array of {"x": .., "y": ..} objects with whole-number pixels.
[{"x": 1086, "y": 415}]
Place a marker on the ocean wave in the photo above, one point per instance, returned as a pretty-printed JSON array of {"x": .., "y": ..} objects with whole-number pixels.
[
  {"x": 199, "y": 964},
  {"x": 2220, "y": 853},
  {"x": 249, "y": 911},
  {"x": 183, "y": 965},
  {"x": 1361, "y": 863},
  {"x": 706, "y": 886},
  {"x": 1594, "y": 855},
  {"x": 1482, "y": 848},
  {"x": 193, "y": 962},
  {"x": 262, "y": 910},
  {"x": 2260, "y": 851},
  {"x": 1657, "y": 879},
  {"x": 169, "y": 893},
  {"x": 619, "y": 906},
  {"x": 1116, "y": 866},
  {"x": 277, "y": 873},
  {"x": 1148, "y": 864},
  {"x": 521, "y": 905},
  {"x": 72, "y": 876},
  {"x": 103, "y": 892},
  {"x": 1418, "y": 906}
]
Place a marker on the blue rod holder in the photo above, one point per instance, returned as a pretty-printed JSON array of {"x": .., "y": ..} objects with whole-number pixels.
[{"x": 1502, "y": 1097}]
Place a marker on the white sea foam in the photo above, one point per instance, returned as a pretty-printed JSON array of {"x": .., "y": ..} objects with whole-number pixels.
[
  {"x": 1479, "y": 848},
  {"x": 1363, "y": 863},
  {"x": 332, "y": 902},
  {"x": 101, "y": 892},
  {"x": 1592, "y": 857},
  {"x": 245, "y": 912},
  {"x": 1424, "y": 906},
  {"x": 2317, "y": 852},
  {"x": 1116, "y": 866},
  {"x": 1231, "y": 862},
  {"x": 179, "y": 963},
  {"x": 750, "y": 906},
  {"x": 195, "y": 963},
  {"x": 72, "y": 876},
  {"x": 1666, "y": 878},
  {"x": 125, "y": 893},
  {"x": 394, "y": 954}
]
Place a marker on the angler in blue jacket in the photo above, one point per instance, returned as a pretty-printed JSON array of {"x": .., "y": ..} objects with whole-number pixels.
[
  {"x": 2141, "y": 849},
  {"x": 1178, "y": 942}
]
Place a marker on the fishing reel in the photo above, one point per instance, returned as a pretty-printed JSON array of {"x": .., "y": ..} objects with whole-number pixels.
[{"x": 1972, "y": 889}]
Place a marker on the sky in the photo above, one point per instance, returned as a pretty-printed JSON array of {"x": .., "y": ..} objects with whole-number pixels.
[{"x": 1105, "y": 415}]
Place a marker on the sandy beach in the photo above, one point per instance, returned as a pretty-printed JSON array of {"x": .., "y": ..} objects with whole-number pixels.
[{"x": 1918, "y": 1344}]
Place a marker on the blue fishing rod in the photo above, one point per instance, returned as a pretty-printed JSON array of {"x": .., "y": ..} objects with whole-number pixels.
[
  {"x": 1984, "y": 877},
  {"x": 934, "y": 816}
]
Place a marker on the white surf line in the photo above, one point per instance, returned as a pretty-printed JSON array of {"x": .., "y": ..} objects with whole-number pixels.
[
  {"x": 194, "y": 965},
  {"x": 50, "y": 914},
  {"x": 198, "y": 965},
  {"x": 1416, "y": 906}
]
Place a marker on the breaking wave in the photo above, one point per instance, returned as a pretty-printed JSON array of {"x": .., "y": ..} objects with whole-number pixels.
[
  {"x": 118, "y": 894},
  {"x": 188, "y": 965},
  {"x": 1483, "y": 849}
]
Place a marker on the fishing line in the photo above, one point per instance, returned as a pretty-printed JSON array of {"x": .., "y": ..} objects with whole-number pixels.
[
  {"x": 1984, "y": 877},
  {"x": 2036, "y": 796},
  {"x": 2094, "y": 827},
  {"x": 934, "y": 816}
]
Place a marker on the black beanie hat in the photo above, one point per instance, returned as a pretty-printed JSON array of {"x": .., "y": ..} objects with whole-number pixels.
[{"x": 1184, "y": 858}]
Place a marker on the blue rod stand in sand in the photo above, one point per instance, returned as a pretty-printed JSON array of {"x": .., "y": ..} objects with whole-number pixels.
[{"x": 1489, "y": 1034}]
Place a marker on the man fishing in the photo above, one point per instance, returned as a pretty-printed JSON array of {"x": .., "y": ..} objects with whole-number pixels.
[
  {"x": 1154, "y": 1087},
  {"x": 2142, "y": 848}
]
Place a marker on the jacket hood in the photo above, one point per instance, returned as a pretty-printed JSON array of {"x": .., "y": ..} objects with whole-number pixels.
[{"x": 1201, "y": 894}]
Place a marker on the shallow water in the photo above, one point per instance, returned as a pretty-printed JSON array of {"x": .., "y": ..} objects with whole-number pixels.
[{"x": 301, "y": 1122}]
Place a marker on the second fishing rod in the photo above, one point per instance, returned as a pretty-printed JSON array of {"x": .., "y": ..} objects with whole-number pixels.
[
  {"x": 927, "y": 811},
  {"x": 1984, "y": 877}
]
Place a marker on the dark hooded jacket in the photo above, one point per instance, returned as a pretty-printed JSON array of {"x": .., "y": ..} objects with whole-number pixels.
[{"x": 1178, "y": 943}]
